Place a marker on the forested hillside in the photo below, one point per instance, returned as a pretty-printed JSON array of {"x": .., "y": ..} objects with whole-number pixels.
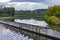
[
  {"x": 35, "y": 14},
  {"x": 7, "y": 12}
]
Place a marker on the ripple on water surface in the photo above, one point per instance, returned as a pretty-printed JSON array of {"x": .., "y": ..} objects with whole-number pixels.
[{"x": 6, "y": 34}]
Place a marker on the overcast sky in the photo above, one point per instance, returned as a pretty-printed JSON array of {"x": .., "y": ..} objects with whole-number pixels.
[{"x": 29, "y": 4}]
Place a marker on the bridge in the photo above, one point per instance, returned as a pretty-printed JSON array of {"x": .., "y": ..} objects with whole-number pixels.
[{"x": 45, "y": 32}]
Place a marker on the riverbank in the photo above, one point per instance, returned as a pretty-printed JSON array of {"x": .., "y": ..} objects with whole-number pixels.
[{"x": 7, "y": 18}]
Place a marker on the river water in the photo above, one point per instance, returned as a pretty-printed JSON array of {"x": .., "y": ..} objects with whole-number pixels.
[
  {"x": 7, "y": 34},
  {"x": 12, "y": 33},
  {"x": 32, "y": 22}
]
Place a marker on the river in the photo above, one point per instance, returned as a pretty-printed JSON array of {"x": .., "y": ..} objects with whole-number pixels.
[
  {"x": 8, "y": 34},
  {"x": 32, "y": 22},
  {"x": 12, "y": 33}
]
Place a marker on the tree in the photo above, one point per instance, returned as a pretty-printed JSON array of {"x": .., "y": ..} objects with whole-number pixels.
[
  {"x": 28, "y": 14},
  {"x": 52, "y": 17},
  {"x": 7, "y": 12}
]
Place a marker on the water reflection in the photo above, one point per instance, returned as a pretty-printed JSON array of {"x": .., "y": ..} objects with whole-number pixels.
[
  {"x": 7, "y": 34},
  {"x": 51, "y": 32},
  {"x": 47, "y": 31},
  {"x": 12, "y": 33},
  {"x": 32, "y": 22}
]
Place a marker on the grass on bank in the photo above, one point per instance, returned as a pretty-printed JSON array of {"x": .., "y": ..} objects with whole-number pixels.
[{"x": 7, "y": 18}]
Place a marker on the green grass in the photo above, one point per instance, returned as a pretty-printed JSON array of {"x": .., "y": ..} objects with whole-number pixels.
[{"x": 7, "y": 18}]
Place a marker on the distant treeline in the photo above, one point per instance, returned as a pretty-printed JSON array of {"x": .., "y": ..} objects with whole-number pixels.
[
  {"x": 22, "y": 14},
  {"x": 28, "y": 14},
  {"x": 7, "y": 12}
]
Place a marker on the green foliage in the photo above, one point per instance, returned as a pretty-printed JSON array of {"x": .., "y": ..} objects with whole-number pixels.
[
  {"x": 7, "y": 12},
  {"x": 27, "y": 14},
  {"x": 54, "y": 26},
  {"x": 54, "y": 19},
  {"x": 52, "y": 16}
]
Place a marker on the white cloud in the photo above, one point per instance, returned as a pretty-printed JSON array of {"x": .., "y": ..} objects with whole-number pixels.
[
  {"x": 53, "y": 2},
  {"x": 27, "y": 5},
  {"x": 24, "y": 3},
  {"x": 5, "y": 0}
]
